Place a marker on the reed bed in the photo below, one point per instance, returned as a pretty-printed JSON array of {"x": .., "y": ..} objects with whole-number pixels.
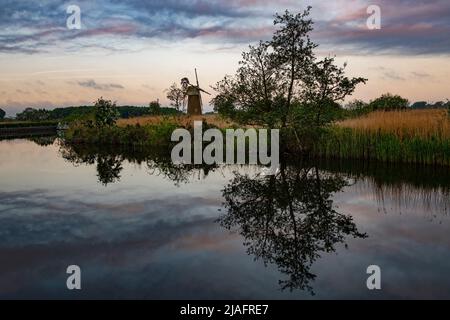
[
  {"x": 181, "y": 120},
  {"x": 417, "y": 136},
  {"x": 424, "y": 124}
]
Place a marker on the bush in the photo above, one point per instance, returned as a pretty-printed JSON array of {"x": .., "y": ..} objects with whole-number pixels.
[{"x": 389, "y": 102}]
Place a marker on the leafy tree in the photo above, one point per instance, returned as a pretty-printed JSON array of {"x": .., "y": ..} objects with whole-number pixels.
[
  {"x": 280, "y": 83},
  {"x": 176, "y": 96},
  {"x": 106, "y": 113},
  {"x": 2, "y": 114},
  {"x": 155, "y": 108},
  {"x": 389, "y": 102}
]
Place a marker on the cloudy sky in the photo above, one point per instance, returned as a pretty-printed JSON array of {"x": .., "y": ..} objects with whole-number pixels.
[{"x": 130, "y": 51}]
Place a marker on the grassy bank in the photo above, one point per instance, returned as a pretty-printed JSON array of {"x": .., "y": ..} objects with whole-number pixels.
[
  {"x": 153, "y": 131},
  {"x": 421, "y": 137},
  {"x": 157, "y": 134},
  {"x": 414, "y": 136}
]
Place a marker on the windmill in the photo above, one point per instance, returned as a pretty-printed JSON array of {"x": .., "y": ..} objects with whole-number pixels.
[{"x": 193, "y": 92}]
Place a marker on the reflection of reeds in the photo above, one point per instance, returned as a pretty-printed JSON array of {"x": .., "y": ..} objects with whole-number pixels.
[
  {"x": 397, "y": 187},
  {"x": 406, "y": 197}
]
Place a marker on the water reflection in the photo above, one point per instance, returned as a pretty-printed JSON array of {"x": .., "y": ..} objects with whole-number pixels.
[
  {"x": 108, "y": 161},
  {"x": 288, "y": 219},
  {"x": 398, "y": 187},
  {"x": 156, "y": 230}
]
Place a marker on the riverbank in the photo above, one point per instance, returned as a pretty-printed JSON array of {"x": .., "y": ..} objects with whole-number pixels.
[
  {"x": 27, "y": 129},
  {"x": 413, "y": 136}
]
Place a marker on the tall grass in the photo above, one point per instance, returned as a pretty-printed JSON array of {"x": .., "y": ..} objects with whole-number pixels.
[
  {"x": 419, "y": 136},
  {"x": 404, "y": 124},
  {"x": 181, "y": 120}
]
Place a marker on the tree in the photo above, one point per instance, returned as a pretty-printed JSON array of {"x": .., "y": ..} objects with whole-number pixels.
[
  {"x": 419, "y": 105},
  {"x": 389, "y": 102},
  {"x": 281, "y": 84},
  {"x": 176, "y": 96},
  {"x": 106, "y": 113},
  {"x": 155, "y": 108},
  {"x": 31, "y": 114},
  {"x": 2, "y": 114}
]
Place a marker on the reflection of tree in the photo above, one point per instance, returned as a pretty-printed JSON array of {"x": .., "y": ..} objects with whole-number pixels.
[
  {"x": 178, "y": 173},
  {"x": 109, "y": 162},
  {"x": 108, "y": 169},
  {"x": 288, "y": 219},
  {"x": 43, "y": 141}
]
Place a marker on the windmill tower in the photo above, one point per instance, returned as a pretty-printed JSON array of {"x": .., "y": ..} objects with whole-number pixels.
[{"x": 193, "y": 92}]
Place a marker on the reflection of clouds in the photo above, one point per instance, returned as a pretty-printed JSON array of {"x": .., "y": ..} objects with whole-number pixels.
[
  {"x": 36, "y": 217},
  {"x": 40, "y": 239},
  {"x": 145, "y": 238},
  {"x": 409, "y": 243}
]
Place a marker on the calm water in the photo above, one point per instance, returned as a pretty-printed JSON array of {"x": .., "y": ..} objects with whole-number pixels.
[{"x": 141, "y": 228}]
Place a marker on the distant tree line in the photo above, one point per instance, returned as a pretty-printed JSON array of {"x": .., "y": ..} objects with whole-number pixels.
[
  {"x": 389, "y": 102},
  {"x": 428, "y": 105},
  {"x": 81, "y": 112}
]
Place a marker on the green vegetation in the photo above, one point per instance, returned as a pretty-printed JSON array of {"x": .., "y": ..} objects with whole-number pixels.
[
  {"x": 282, "y": 84},
  {"x": 426, "y": 105},
  {"x": 157, "y": 135},
  {"x": 70, "y": 114},
  {"x": 155, "y": 108},
  {"x": 388, "y": 102},
  {"x": 106, "y": 113},
  {"x": 2, "y": 114},
  {"x": 349, "y": 143}
]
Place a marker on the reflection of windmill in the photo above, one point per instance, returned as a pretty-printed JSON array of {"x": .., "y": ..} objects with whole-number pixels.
[{"x": 193, "y": 92}]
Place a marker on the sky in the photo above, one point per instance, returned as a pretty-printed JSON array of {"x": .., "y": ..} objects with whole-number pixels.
[{"x": 131, "y": 51}]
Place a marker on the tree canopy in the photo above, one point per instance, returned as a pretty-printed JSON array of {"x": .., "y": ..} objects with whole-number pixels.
[
  {"x": 282, "y": 83},
  {"x": 389, "y": 102},
  {"x": 176, "y": 96},
  {"x": 106, "y": 113}
]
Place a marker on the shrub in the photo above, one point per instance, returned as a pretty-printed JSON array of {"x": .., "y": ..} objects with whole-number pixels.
[{"x": 389, "y": 102}]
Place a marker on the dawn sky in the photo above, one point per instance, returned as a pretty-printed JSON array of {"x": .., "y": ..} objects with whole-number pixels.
[{"x": 130, "y": 51}]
